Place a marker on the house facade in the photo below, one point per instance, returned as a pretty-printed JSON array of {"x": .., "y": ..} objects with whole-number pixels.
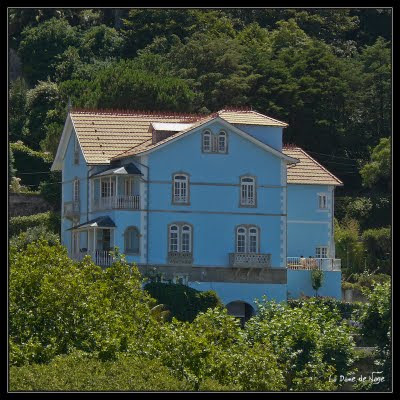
[{"x": 215, "y": 202}]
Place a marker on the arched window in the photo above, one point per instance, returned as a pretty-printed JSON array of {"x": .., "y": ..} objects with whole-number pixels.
[
  {"x": 247, "y": 239},
  {"x": 173, "y": 238},
  {"x": 186, "y": 239},
  {"x": 247, "y": 191},
  {"x": 180, "y": 189},
  {"x": 253, "y": 240},
  {"x": 132, "y": 240},
  {"x": 222, "y": 142},
  {"x": 241, "y": 240},
  {"x": 207, "y": 141}
]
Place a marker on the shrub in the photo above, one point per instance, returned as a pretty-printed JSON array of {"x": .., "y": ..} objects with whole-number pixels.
[
  {"x": 378, "y": 243},
  {"x": 33, "y": 234},
  {"x": 82, "y": 372},
  {"x": 183, "y": 302},
  {"x": 57, "y": 305},
  {"x": 311, "y": 341},
  {"x": 28, "y": 160},
  {"x": 49, "y": 220}
]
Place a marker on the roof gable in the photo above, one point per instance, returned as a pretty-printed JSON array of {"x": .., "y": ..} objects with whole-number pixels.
[{"x": 148, "y": 147}]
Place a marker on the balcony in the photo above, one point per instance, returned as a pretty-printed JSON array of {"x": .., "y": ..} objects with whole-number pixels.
[
  {"x": 324, "y": 264},
  {"x": 116, "y": 202},
  {"x": 250, "y": 260},
  {"x": 180, "y": 258},
  {"x": 101, "y": 258},
  {"x": 71, "y": 209}
]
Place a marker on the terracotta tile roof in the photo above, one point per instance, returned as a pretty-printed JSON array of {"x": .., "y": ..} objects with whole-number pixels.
[
  {"x": 248, "y": 117},
  {"x": 105, "y": 133},
  {"x": 308, "y": 171}
]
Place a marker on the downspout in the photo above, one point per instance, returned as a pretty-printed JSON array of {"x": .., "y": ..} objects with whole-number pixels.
[{"x": 147, "y": 211}]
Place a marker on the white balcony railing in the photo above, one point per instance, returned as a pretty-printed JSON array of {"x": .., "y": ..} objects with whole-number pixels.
[
  {"x": 71, "y": 209},
  {"x": 325, "y": 264},
  {"x": 99, "y": 257},
  {"x": 250, "y": 260},
  {"x": 116, "y": 202}
]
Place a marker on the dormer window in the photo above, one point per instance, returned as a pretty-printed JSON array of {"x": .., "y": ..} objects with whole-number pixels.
[{"x": 180, "y": 189}]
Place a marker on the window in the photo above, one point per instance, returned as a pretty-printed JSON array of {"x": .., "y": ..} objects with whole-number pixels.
[
  {"x": 76, "y": 150},
  {"x": 215, "y": 143},
  {"x": 180, "y": 279},
  {"x": 186, "y": 242},
  {"x": 247, "y": 192},
  {"x": 207, "y": 142},
  {"x": 76, "y": 190},
  {"x": 132, "y": 239},
  {"x": 173, "y": 238},
  {"x": 222, "y": 142},
  {"x": 247, "y": 239},
  {"x": 322, "y": 201},
  {"x": 180, "y": 189},
  {"x": 129, "y": 187},
  {"x": 180, "y": 238},
  {"x": 321, "y": 252},
  {"x": 107, "y": 188}
]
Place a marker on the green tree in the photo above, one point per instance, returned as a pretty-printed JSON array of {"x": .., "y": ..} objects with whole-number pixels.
[
  {"x": 40, "y": 100},
  {"x": 317, "y": 277},
  {"x": 17, "y": 107},
  {"x": 57, "y": 305},
  {"x": 377, "y": 172},
  {"x": 40, "y": 46}
]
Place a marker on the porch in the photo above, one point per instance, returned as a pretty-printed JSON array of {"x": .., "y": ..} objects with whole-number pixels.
[
  {"x": 94, "y": 238},
  {"x": 324, "y": 264},
  {"x": 116, "y": 188}
]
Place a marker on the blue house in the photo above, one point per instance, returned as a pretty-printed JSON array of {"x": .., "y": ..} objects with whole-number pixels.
[{"x": 215, "y": 202}]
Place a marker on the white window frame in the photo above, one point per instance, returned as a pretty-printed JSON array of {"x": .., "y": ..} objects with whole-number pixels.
[
  {"x": 170, "y": 238},
  {"x": 186, "y": 241},
  {"x": 180, "y": 188},
  {"x": 245, "y": 231},
  {"x": 321, "y": 252},
  {"x": 109, "y": 188},
  {"x": 246, "y": 187},
  {"x": 322, "y": 201},
  {"x": 178, "y": 277},
  {"x": 207, "y": 149},
  {"x": 243, "y": 234},
  {"x": 221, "y": 135},
  {"x": 76, "y": 190}
]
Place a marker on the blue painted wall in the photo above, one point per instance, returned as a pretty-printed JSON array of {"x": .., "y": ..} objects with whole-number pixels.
[
  {"x": 70, "y": 171},
  {"x": 267, "y": 134},
  {"x": 299, "y": 282},
  {"x": 214, "y": 234},
  {"x": 307, "y": 225}
]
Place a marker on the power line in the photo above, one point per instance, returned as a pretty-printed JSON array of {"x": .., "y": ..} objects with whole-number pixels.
[{"x": 330, "y": 155}]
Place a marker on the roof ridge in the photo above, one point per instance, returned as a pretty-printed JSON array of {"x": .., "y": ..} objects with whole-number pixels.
[{"x": 158, "y": 114}]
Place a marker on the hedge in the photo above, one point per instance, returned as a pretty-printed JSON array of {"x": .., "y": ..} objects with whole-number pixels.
[
  {"x": 80, "y": 372},
  {"x": 183, "y": 302},
  {"x": 346, "y": 310},
  {"x": 49, "y": 219},
  {"x": 28, "y": 160}
]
